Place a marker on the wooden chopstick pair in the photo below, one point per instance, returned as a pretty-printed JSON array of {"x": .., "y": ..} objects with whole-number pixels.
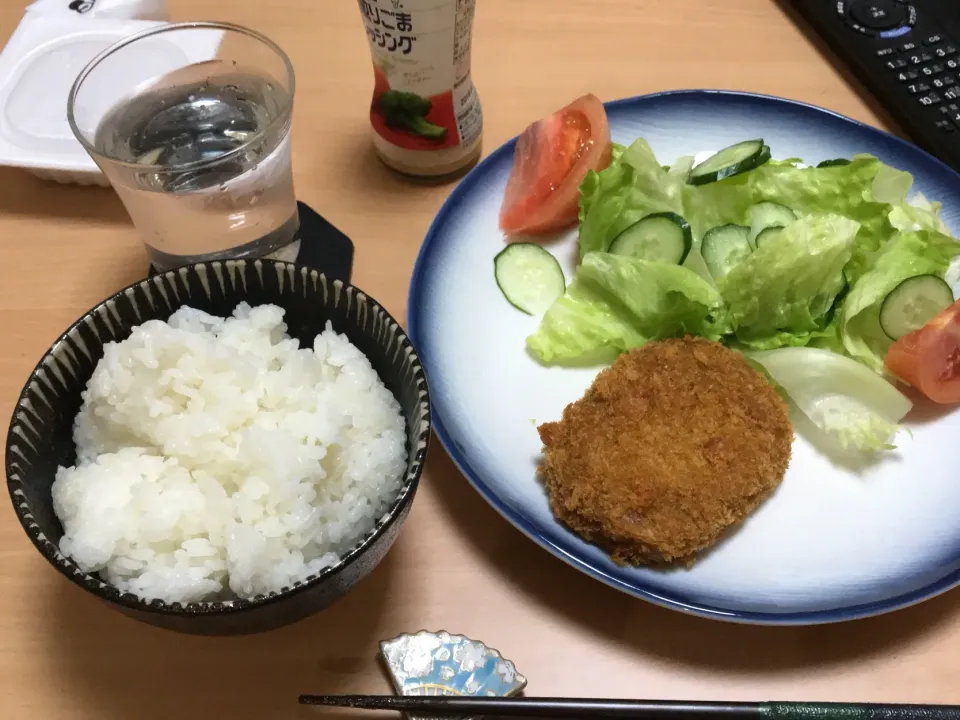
[{"x": 597, "y": 708}]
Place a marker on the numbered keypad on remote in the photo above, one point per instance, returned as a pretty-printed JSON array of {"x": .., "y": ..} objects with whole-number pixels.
[
  {"x": 906, "y": 53},
  {"x": 931, "y": 72}
]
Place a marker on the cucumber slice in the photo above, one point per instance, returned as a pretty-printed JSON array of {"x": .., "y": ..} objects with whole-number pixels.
[
  {"x": 529, "y": 277},
  {"x": 767, "y": 234},
  {"x": 768, "y": 214},
  {"x": 731, "y": 160},
  {"x": 912, "y": 303},
  {"x": 836, "y": 162},
  {"x": 723, "y": 247},
  {"x": 661, "y": 237}
]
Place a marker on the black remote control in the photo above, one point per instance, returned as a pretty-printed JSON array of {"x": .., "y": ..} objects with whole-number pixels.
[{"x": 907, "y": 55}]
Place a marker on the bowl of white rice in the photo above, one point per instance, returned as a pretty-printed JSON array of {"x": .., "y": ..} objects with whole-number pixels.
[{"x": 224, "y": 448}]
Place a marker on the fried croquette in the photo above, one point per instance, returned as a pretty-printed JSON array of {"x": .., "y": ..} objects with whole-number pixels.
[{"x": 675, "y": 443}]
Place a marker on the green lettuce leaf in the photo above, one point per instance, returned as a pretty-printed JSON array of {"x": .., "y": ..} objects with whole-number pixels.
[
  {"x": 594, "y": 184},
  {"x": 826, "y": 339},
  {"x": 837, "y": 190},
  {"x": 890, "y": 186},
  {"x": 907, "y": 255},
  {"x": 632, "y": 187},
  {"x": 857, "y": 409},
  {"x": 718, "y": 203},
  {"x": 918, "y": 214},
  {"x": 782, "y": 293},
  {"x": 615, "y": 303}
]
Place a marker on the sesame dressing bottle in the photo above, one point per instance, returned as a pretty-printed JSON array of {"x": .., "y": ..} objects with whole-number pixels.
[{"x": 425, "y": 112}]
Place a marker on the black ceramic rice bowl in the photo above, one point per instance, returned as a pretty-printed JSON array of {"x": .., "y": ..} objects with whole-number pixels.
[{"x": 41, "y": 432}]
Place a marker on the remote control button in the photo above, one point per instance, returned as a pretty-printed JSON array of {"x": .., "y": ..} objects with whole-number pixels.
[
  {"x": 933, "y": 40},
  {"x": 952, "y": 64},
  {"x": 896, "y": 32},
  {"x": 944, "y": 126},
  {"x": 908, "y": 47},
  {"x": 945, "y": 51},
  {"x": 931, "y": 70},
  {"x": 930, "y": 99},
  {"x": 862, "y": 30},
  {"x": 896, "y": 64},
  {"x": 908, "y": 76},
  {"x": 943, "y": 82},
  {"x": 915, "y": 88},
  {"x": 948, "y": 110},
  {"x": 884, "y": 52},
  {"x": 952, "y": 94},
  {"x": 926, "y": 57},
  {"x": 876, "y": 14}
]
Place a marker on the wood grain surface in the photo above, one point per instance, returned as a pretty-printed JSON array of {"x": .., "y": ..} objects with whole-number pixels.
[{"x": 457, "y": 565}]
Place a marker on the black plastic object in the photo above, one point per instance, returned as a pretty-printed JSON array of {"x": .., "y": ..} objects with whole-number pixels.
[
  {"x": 906, "y": 54},
  {"x": 323, "y": 247},
  {"x": 41, "y": 431}
]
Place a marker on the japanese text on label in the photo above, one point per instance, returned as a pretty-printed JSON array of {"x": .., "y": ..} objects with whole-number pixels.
[{"x": 389, "y": 29}]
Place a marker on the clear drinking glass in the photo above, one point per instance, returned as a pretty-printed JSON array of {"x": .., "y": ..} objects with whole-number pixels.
[{"x": 190, "y": 122}]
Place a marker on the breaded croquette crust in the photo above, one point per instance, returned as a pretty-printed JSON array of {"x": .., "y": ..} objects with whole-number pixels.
[{"x": 674, "y": 444}]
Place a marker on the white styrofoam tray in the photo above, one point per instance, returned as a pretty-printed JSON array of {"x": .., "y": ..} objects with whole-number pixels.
[{"x": 37, "y": 69}]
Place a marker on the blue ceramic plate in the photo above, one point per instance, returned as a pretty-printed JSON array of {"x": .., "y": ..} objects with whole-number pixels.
[{"x": 833, "y": 543}]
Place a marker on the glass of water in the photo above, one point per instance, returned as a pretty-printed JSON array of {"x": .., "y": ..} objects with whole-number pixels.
[{"x": 190, "y": 123}]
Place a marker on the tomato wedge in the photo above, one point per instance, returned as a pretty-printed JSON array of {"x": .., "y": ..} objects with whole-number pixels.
[
  {"x": 550, "y": 160},
  {"x": 929, "y": 358}
]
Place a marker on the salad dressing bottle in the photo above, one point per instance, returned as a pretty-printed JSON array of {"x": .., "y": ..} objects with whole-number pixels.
[{"x": 425, "y": 112}]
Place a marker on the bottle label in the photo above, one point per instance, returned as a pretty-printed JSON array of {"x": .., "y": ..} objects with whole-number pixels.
[{"x": 423, "y": 97}]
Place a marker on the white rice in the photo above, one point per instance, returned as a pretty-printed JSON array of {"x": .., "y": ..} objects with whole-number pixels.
[{"x": 214, "y": 453}]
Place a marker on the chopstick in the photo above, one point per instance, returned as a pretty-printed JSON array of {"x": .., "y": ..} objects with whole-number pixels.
[{"x": 638, "y": 709}]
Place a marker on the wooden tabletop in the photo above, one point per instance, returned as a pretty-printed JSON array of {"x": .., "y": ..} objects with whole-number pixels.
[{"x": 457, "y": 564}]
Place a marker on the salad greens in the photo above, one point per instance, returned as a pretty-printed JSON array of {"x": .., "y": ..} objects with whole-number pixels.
[
  {"x": 908, "y": 254},
  {"x": 837, "y": 240},
  {"x": 615, "y": 303},
  {"x": 788, "y": 284},
  {"x": 635, "y": 185},
  {"x": 855, "y": 406},
  {"x": 632, "y": 187}
]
